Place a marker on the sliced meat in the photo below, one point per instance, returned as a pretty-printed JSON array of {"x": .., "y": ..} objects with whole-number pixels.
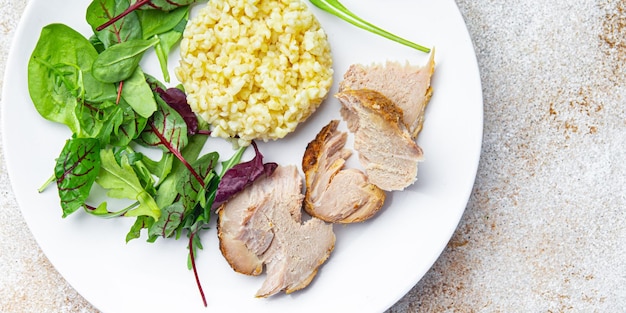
[
  {"x": 335, "y": 194},
  {"x": 406, "y": 85},
  {"x": 386, "y": 150},
  {"x": 262, "y": 225}
]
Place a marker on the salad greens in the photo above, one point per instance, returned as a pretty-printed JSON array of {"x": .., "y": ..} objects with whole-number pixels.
[
  {"x": 335, "y": 8},
  {"x": 162, "y": 5},
  {"x": 118, "y": 62},
  {"x": 97, "y": 88},
  {"x": 114, "y": 109},
  {"x": 75, "y": 172},
  {"x": 60, "y": 81},
  {"x": 100, "y": 12}
]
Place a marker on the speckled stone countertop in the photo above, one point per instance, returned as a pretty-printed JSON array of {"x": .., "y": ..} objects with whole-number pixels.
[{"x": 545, "y": 227}]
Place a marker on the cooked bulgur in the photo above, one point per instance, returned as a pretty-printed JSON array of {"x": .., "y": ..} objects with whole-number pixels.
[{"x": 255, "y": 69}]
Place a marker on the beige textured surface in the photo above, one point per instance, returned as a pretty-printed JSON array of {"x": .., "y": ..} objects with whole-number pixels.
[{"x": 545, "y": 228}]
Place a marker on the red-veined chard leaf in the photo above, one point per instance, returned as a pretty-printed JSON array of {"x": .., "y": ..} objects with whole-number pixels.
[
  {"x": 191, "y": 205},
  {"x": 163, "y": 5},
  {"x": 191, "y": 190},
  {"x": 76, "y": 170},
  {"x": 241, "y": 176},
  {"x": 177, "y": 99},
  {"x": 99, "y": 120},
  {"x": 101, "y": 11},
  {"x": 194, "y": 223},
  {"x": 192, "y": 199},
  {"x": 168, "y": 223},
  {"x": 167, "y": 130},
  {"x": 167, "y": 192}
]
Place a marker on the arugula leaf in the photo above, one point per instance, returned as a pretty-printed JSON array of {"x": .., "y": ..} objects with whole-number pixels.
[
  {"x": 160, "y": 169},
  {"x": 121, "y": 181},
  {"x": 233, "y": 161},
  {"x": 136, "y": 160},
  {"x": 140, "y": 223},
  {"x": 76, "y": 170},
  {"x": 102, "y": 211}
]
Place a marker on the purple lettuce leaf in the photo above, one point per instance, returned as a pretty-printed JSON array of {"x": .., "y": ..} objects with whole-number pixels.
[
  {"x": 177, "y": 100},
  {"x": 241, "y": 176}
]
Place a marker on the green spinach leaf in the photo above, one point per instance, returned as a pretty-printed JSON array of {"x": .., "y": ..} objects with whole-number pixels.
[
  {"x": 59, "y": 76},
  {"x": 119, "y": 62},
  {"x": 155, "y": 22},
  {"x": 140, "y": 223},
  {"x": 137, "y": 93}
]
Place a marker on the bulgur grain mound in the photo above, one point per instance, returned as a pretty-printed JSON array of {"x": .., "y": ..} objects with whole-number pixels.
[{"x": 255, "y": 69}]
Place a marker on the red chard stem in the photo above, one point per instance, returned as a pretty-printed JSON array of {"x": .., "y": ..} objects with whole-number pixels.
[
  {"x": 193, "y": 266},
  {"x": 131, "y": 8}
]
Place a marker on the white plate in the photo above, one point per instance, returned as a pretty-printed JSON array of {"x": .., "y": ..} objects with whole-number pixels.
[{"x": 374, "y": 263}]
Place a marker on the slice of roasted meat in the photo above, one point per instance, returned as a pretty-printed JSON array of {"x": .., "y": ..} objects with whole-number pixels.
[
  {"x": 262, "y": 225},
  {"x": 335, "y": 194},
  {"x": 408, "y": 86},
  {"x": 386, "y": 150}
]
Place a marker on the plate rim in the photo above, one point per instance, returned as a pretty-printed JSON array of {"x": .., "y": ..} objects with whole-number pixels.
[{"x": 9, "y": 161}]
